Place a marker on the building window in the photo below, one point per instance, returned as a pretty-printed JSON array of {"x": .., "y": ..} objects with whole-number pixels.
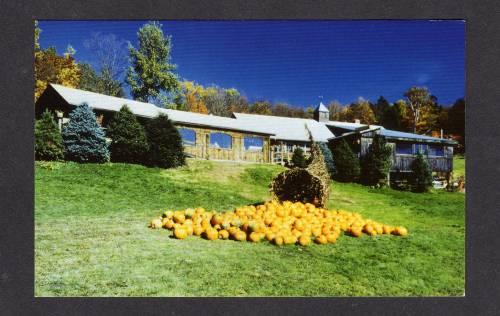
[
  {"x": 188, "y": 136},
  {"x": 421, "y": 148},
  {"x": 253, "y": 143},
  {"x": 220, "y": 140},
  {"x": 404, "y": 148},
  {"x": 436, "y": 150}
]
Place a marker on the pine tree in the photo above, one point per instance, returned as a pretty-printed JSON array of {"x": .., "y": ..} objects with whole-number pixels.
[
  {"x": 48, "y": 139},
  {"x": 327, "y": 153},
  {"x": 165, "y": 143},
  {"x": 83, "y": 138},
  {"x": 346, "y": 163},
  {"x": 128, "y": 138},
  {"x": 421, "y": 177},
  {"x": 298, "y": 158},
  {"x": 377, "y": 162}
]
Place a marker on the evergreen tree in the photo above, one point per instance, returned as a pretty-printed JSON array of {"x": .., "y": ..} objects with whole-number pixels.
[
  {"x": 151, "y": 72},
  {"x": 165, "y": 143},
  {"x": 128, "y": 138},
  {"x": 329, "y": 162},
  {"x": 298, "y": 158},
  {"x": 346, "y": 163},
  {"x": 377, "y": 162},
  {"x": 83, "y": 138},
  {"x": 421, "y": 177},
  {"x": 48, "y": 139}
]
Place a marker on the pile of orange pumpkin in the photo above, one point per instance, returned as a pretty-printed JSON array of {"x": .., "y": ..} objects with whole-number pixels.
[{"x": 279, "y": 223}]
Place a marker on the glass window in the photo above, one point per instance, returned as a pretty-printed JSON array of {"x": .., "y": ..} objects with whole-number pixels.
[
  {"x": 421, "y": 148},
  {"x": 404, "y": 148},
  {"x": 220, "y": 140},
  {"x": 436, "y": 150},
  {"x": 253, "y": 143},
  {"x": 188, "y": 136}
]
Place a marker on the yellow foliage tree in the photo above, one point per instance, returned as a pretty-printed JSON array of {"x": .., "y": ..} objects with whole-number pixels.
[
  {"x": 52, "y": 68},
  {"x": 194, "y": 97}
]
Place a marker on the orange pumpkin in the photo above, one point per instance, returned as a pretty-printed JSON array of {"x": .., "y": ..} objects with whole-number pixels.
[
  {"x": 180, "y": 232},
  {"x": 211, "y": 234},
  {"x": 321, "y": 239},
  {"x": 254, "y": 237},
  {"x": 223, "y": 234},
  {"x": 240, "y": 235},
  {"x": 304, "y": 240},
  {"x": 179, "y": 217},
  {"x": 156, "y": 223},
  {"x": 278, "y": 240},
  {"x": 198, "y": 230}
]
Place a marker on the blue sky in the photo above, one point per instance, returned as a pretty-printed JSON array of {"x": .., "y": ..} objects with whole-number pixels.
[{"x": 298, "y": 61}]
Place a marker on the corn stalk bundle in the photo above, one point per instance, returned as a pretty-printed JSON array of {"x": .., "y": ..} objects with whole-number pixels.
[{"x": 306, "y": 185}]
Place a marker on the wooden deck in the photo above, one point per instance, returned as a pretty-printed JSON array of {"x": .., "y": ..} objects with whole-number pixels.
[{"x": 402, "y": 163}]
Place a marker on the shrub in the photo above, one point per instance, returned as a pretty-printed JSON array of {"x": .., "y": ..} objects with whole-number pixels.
[
  {"x": 48, "y": 139},
  {"x": 165, "y": 144},
  {"x": 298, "y": 158},
  {"x": 329, "y": 162},
  {"x": 421, "y": 177},
  {"x": 83, "y": 138},
  {"x": 128, "y": 138},
  {"x": 346, "y": 163},
  {"x": 377, "y": 162}
]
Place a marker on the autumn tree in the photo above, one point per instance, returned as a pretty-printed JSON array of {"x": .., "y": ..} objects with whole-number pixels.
[
  {"x": 215, "y": 100},
  {"x": 52, "y": 68},
  {"x": 151, "y": 72},
  {"x": 360, "y": 110},
  {"x": 261, "y": 107},
  {"x": 419, "y": 103},
  {"x": 334, "y": 108},
  {"x": 192, "y": 97}
]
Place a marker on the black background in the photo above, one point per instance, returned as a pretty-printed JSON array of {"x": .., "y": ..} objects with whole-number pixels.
[{"x": 17, "y": 154}]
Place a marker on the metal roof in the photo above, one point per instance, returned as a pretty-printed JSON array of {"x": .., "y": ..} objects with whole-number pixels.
[
  {"x": 352, "y": 126},
  {"x": 288, "y": 128},
  {"x": 107, "y": 103},
  {"x": 321, "y": 108},
  {"x": 391, "y": 134},
  {"x": 402, "y": 135}
]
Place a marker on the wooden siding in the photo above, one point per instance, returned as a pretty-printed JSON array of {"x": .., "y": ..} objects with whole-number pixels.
[
  {"x": 237, "y": 152},
  {"x": 402, "y": 162}
]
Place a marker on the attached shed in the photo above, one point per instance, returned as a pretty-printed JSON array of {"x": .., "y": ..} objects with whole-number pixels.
[
  {"x": 204, "y": 136},
  {"x": 438, "y": 151}
]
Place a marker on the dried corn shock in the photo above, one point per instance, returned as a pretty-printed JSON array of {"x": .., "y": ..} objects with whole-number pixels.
[{"x": 279, "y": 223}]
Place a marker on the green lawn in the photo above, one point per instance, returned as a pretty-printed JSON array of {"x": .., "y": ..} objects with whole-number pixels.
[
  {"x": 458, "y": 166},
  {"x": 91, "y": 237}
]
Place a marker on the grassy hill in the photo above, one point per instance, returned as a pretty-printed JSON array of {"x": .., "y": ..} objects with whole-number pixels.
[{"x": 91, "y": 237}]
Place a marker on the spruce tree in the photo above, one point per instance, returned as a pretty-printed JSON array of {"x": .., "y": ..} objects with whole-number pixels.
[
  {"x": 346, "y": 163},
  {"x": 377, "y": 162},
  {"x": 298, "y": 158},
  {"x": 84, "y": 139},
  {"x": 421, "y": 176},
  {"x": 327, "y": 153},
  {"x": 48, "y": 139},
  {"x": 128, "y": 138},
  {"x": 165, "y": 143}
]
